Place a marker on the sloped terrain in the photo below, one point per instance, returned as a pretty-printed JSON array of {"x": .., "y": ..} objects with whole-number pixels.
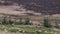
[
  {"x": 16, "y": 10},
  {"x": 42, "y": 6},
  {"x": 38, "y": 6},
  {"x": 10, "y": 10}
]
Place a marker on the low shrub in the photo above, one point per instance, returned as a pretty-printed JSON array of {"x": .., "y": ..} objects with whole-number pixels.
[
  {"x": 46, "y": 23},
  {"x": 2, "y": 27},
  {"x": 13, "y": 30}
]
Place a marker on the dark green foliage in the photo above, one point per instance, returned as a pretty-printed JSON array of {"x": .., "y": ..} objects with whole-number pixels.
[
  {"x": 27, "y": 21},
  {"x": 4, "y": 20},
  {"x": 20, "y": 21},
  {"x": 10, "y": 22},
  {"x": 46, "y": 23}
]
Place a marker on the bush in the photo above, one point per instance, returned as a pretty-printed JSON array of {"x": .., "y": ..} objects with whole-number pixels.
[
  {"x": 10, "y": 22},
  {"x": 2, "y": 28},
  {"x": 13, "y": 30},
  {"x": 4, "y": 20},
  {"x": 27, "y": 21},
  {"x": 46, "y": 23},
  {"x": 57, "y": 26},
  {"x": 20, "y": 22}
]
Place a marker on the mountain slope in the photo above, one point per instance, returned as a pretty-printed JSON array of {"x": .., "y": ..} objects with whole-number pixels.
[
  {"x": 42, "y": 6},
  {"x": 39, "y": 6}
]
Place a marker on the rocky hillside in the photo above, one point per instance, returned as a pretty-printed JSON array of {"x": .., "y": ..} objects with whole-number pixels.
[
  {"x": 39, "y": 6},
  {"x": 42, "y": 6}
]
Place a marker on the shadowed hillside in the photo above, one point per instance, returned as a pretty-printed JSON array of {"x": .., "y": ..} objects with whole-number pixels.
[{"x": 40, "y": 6}]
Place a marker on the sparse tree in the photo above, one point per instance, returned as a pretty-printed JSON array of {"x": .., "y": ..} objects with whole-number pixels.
[
  {"x": 27, "y": 21},
  {"x": 46, "y": 23},
  {"x": 20, "y": 22},
  {"x": 10, "y": 21},
  {"x": 4, "y": 20}
]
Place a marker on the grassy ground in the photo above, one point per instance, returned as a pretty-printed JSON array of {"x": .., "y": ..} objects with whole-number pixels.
[{"x": 28, "y": 29}]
